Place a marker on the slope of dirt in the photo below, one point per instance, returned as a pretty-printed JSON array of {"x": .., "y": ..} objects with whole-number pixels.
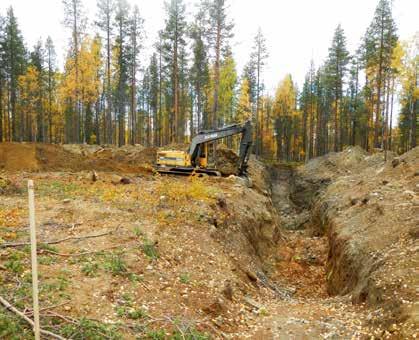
[
  {"x": 32, "y": 157},
  {"x": 368, "y": 210}
]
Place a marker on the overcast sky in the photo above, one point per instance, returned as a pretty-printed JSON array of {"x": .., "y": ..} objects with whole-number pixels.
[{"x": 296, "y": 30}]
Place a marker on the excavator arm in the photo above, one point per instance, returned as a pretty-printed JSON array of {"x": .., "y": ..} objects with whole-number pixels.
[{"x": 207, "y": 136}]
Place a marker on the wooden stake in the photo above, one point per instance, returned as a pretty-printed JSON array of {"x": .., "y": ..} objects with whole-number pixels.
[{"x": 34, "y": 259}]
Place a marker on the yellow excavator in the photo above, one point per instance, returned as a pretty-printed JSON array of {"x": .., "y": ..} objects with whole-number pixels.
[{"x": 195, "y": 160}]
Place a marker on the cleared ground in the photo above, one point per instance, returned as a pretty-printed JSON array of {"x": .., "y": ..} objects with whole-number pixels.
[{"x": 162, "y": 257}]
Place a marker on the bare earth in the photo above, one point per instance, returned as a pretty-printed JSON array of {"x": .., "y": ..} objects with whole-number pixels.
[{"x": 194, "y": 258}]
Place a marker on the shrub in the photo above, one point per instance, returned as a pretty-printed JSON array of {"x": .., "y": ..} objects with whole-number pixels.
[
  {"x": 90, "y": 269},
  {"x": 116, "y": 265},
  {"x": 150, "y": 250}
]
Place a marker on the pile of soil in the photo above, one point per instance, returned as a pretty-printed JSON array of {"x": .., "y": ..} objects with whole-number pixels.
[
  {"x": 81, "y": 149},
  {"x": 227, "y": 161},
  {"x": 319, "y": 172},
  {"x": 32, "y": 157},
  {"x": 15, "y": 157}
]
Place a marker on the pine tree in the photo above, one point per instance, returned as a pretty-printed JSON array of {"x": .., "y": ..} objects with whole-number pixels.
[
  {"x": 336, "y": 69},
  {"x": 51, "y": 82},
  {"x": 154, "y": 97},
  {"x": 174, "y": 41},
  {"x": 199, "y": 75},
  {"x": 304, "y": 105},
  {"x": 249, "y": 72},
  {"x": 163, "y": 125},
  {"x": 14, "y": 62},
  {"x": 379, "y": 42},
  {"x": 106, "y": 13},
  {"x": 260, "y": 54},
  {"x": 395, "y": 73},
  {"x": 311, "y": 107},
  {"x": 354, "y": 99},
  {"x": 135, "y": 44},
  {"x": 218, "y": 32},
  {"x": 37, "y": 61},
  {"x": 122, "y": 66},
  {"x": 184, "y": 94},
  {"x": 324, "y": 97}
]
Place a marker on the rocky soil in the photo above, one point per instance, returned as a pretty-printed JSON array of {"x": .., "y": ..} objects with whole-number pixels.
[{"x": 327, "y": 250}]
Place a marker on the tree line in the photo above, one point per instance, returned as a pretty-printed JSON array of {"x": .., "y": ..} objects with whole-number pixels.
[{"x": 109, "y": 91}]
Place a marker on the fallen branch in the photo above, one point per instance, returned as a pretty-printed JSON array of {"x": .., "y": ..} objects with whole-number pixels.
[
  {"x": 86, "y": 252},
  {"x": 11, "y": 308},
  {"x": 79, "y": 254},
  {"x": 30, "y": 311},
  {"x": 67, "y": 319},
  {"x": 282, "y": 292},
  {"x": 21, "y": 244}
]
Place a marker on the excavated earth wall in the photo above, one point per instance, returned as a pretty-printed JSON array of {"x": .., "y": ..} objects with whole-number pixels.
[{"x": 368, "y": 208}]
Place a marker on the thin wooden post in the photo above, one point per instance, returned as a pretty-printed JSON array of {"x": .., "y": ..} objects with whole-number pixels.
[{"x": 34, "y": 259}]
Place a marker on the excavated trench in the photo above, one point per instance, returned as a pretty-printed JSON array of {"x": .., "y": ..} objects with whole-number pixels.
[
  {"x": 347, "y": 254},
  {"x": 301, "y": 258},
  {"x": 298, "y": 265}
]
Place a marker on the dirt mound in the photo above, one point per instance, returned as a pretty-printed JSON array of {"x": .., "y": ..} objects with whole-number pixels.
[
  {"x": 129, "y": 154},
  {"x": 318, "y": 173},
  {"x": 37, "y": 157},
  {"x": 15, "y": 157},
  {"x": 34, "y": 157},
  {"x": 227, "y": 161},
  {"x": 81, "y": 149}
]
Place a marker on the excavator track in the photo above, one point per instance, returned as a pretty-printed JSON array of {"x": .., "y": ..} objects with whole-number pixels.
[{"x": 187, "y": 171}]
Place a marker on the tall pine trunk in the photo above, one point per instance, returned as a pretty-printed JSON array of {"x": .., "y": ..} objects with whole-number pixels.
[
  {"x": 216, "y": 75},
  {"x": 175, "y": 136},
  {"x": 379, "y": 85}
]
